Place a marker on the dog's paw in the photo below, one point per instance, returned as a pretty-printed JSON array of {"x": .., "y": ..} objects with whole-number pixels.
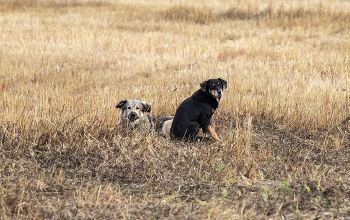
[{"x": 216, "y": 139}]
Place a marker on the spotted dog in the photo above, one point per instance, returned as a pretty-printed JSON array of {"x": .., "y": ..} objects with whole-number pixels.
[
  {"x": 196, "y": 112},
  {"x": 132, "y": 115}
]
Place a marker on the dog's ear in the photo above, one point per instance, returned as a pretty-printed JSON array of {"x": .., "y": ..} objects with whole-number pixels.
[
  {"x": 224, "y": 83},
  {"x": 121, "y": 103},
  {"x": 204, "y": 86},
  {"x": 146, "y": 106}
]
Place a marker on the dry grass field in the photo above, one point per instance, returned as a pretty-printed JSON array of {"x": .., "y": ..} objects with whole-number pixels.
[{"x": 65, "y": 64}]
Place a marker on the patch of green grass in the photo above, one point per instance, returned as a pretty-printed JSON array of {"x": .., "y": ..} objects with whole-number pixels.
[{"x": 284, "y": 185}]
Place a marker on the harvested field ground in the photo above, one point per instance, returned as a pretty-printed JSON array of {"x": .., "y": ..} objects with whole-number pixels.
[{"x": 64, "y": 65}]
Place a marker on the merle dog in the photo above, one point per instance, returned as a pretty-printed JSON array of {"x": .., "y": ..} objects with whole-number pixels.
[{"x": 132, "y": 115}]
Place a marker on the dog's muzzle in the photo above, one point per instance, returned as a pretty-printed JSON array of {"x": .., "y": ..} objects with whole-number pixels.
[
  {"x": 217, "y": 93},
  {"x": 220, "y": 93},
  {"x": 133, "y": 116}
]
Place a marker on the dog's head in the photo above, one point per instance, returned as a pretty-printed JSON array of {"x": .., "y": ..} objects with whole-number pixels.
[
  {"x": 131, "y": 110},
  {"x": 214, "y": 87}
]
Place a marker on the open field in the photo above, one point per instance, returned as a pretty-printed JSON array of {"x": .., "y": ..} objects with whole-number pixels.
[{"x": 65, "y": 64}]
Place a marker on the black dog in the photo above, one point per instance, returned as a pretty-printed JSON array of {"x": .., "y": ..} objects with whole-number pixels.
[{"x": 196, "y": 111}]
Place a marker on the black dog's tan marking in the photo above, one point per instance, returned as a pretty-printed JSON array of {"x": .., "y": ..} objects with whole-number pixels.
[
  {"x": 196, "y": 111},
  {"x": 212, "y": 133},
  {"x": 132, "y": 115}
]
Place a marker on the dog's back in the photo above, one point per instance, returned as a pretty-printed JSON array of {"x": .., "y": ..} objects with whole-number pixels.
[{"x": 161, "y": 124}]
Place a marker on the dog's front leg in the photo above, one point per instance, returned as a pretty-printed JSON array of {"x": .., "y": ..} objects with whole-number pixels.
[{"x": 213, "y": 133}]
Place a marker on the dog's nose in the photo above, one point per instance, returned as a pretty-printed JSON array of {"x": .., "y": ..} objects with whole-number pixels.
[
  {"x": 133, "y": 115},
  {"x": 219, "y": 92}
]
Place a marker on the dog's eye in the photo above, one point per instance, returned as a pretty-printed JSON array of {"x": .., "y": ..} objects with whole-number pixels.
[
  {"x": 213, "y": 84},
  {"x": 129, "y": 107},
  {"x": 218, "y": 83},
  {"x": 137, "y": 107}
]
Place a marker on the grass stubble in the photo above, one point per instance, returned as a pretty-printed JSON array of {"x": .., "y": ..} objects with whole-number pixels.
[{"x": 66, "y": 64}]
